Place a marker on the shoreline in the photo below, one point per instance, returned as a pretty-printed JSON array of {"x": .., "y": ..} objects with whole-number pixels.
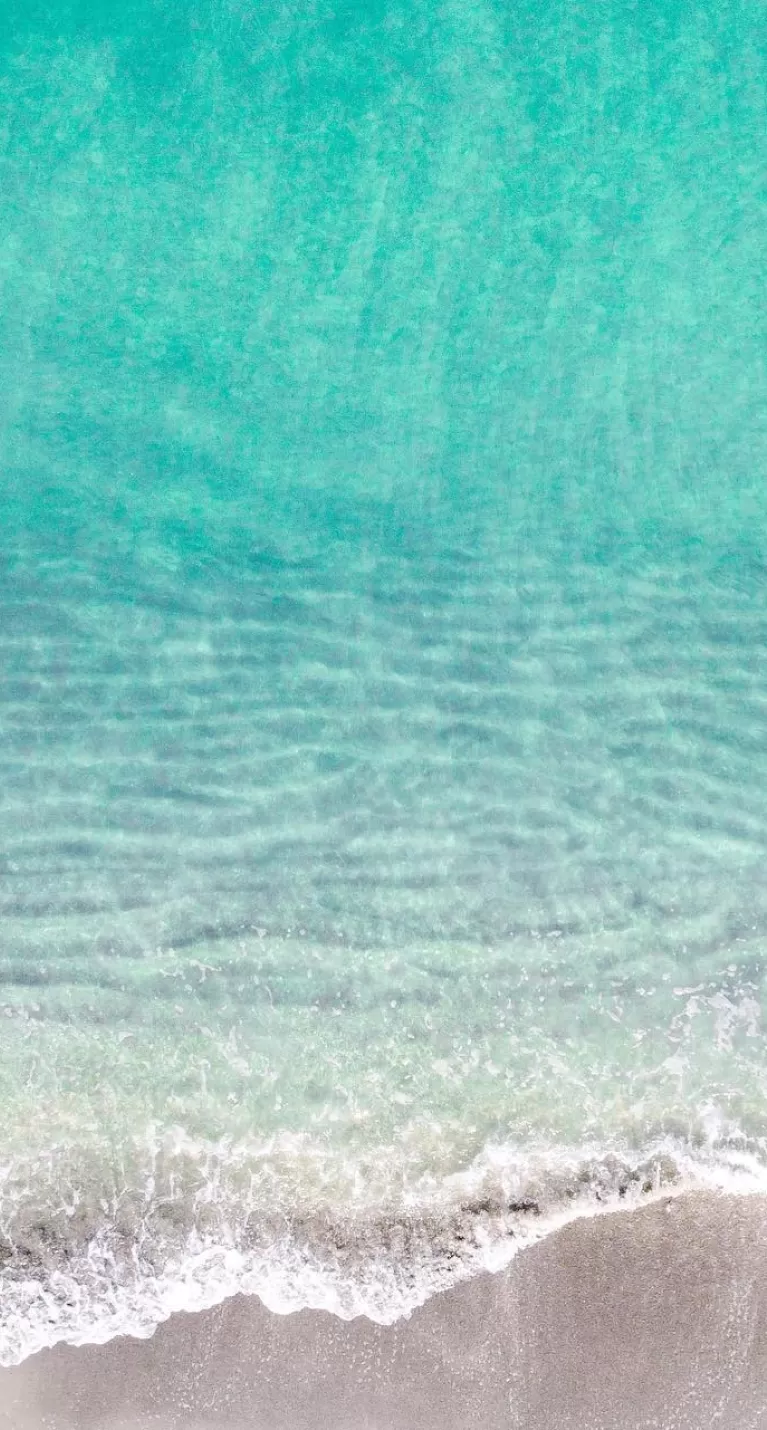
[
  {"x": 74, "y": 1281},
  {"x": 653, "y": 1317}
]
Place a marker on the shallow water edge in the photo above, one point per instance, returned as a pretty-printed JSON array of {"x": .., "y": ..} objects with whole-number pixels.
[
  {"x": 656, "y": 1317},
  {"x": 83, "y": 1277}
]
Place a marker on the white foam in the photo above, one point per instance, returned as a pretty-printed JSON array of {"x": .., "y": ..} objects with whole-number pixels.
[{"x": 105, "y": 1292}]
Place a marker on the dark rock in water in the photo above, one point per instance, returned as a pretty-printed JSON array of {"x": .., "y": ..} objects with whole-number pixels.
[
  {"x": 479, "y": 1205},
  {"x": 525, "y": 1204}
]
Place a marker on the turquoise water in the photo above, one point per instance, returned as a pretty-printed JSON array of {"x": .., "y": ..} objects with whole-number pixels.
[{"x": 383, "y": 640}]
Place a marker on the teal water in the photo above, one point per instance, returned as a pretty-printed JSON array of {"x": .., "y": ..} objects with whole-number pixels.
[{"x": 383, "y": 640}]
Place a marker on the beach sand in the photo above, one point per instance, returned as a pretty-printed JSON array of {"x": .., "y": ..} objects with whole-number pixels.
[{"x": 650, "y": 1318}]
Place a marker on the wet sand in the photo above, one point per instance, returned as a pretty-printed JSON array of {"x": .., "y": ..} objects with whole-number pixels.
[{"x": 655, "y": 1319}]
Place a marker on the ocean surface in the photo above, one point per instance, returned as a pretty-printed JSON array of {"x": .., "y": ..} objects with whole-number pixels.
[{"x": 383, "y": 640}]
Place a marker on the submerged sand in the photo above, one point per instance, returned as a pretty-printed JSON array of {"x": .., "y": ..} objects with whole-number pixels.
[{"x": 651, "y": 1318}]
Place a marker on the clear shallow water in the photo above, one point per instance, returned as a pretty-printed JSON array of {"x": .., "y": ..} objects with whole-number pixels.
[{"x": 383, "y": 687}]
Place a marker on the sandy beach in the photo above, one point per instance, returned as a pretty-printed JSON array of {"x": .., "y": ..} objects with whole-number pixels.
[{"x": 651, "y": 1318}]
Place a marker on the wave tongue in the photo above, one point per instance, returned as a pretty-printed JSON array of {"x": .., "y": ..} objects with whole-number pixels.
[{"x": 199, "y": 1223}]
